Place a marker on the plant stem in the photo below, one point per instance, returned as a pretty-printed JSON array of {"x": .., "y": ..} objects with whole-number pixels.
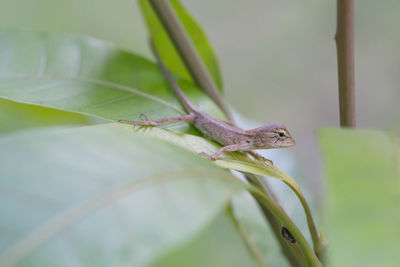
[
  {"x": 254, "y": 251},
  {"x": 345, "y": 56},
  {"x": 187, "y": 51}
]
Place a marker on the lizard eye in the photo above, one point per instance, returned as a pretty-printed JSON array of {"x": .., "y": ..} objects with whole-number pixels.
[{"x": 281, "y": 134}]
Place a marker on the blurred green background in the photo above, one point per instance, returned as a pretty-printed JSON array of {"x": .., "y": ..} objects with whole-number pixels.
[{"x": 278, "y": 58}]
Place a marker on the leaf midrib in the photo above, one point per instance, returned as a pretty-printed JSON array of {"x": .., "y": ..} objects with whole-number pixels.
[{"x": 92, "y": 81}]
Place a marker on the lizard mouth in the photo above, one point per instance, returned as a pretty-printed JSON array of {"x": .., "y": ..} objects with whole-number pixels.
[
  {"x": 284, "y": 143},
  {"x": 292, "y": 142}
]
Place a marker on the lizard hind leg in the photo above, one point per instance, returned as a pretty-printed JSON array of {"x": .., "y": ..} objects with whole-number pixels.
[{"x": 186, "y": 118}]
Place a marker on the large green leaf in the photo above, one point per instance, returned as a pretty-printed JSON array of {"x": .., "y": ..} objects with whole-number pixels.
[
  {"x": 103, "y": 196},
  {"x": 363, "y": 211},
  {"x": 167, "y": 50},
  {"x": 86, "y": 76}
]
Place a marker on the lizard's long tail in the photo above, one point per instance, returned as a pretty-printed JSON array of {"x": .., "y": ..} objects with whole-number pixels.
[{"x": 178, "y": 91}]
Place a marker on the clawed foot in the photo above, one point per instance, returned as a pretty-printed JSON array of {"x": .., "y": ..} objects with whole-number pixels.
[
  {"x": 268, "y": 160},
  {"x": 127, "y": 121},
  {"x": 135, "y": 123},
  {"x": 142, "y": 115},
  {"x": 212, "y": 156}
]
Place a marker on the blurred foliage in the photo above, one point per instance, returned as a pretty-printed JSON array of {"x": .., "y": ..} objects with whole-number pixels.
[
  {"x": 363, "y": 212},
  {"x": 118, "y": 21},
  {"x": 284, "y": 46}
]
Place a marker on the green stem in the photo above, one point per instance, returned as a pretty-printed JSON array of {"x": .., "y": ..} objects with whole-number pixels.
[
  {"x": 251, "y": 246},
  {"x": 187, "y": 51}
]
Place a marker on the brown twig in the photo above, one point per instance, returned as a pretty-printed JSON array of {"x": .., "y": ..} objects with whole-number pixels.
[{"x": 345, "y": 56}]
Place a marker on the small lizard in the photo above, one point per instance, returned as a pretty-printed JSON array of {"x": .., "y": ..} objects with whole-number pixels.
[{"x": 230, "y": 136}]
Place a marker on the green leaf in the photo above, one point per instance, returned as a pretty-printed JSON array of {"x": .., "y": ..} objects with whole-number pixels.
[
  {"x": 103, "y": 196},
  {"x": 86, "y": 76},
  {"x": 363, "y": 214},
  {"x": 167, "y": 50}
]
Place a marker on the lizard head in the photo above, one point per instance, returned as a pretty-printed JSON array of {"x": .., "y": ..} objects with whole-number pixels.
[{"x": 272, "y": 136}]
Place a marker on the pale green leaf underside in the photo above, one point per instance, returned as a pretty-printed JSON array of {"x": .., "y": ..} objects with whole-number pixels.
[
  {"x": 102, "y": 196},
  {"x": 86, "y": 76},
  {"x": 363, "y": 211}
]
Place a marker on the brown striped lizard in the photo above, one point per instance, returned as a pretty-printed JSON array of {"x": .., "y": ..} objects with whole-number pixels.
[{"x": 225, "y": 133}]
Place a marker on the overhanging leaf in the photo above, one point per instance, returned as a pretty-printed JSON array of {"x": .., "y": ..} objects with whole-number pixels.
[
  {"x": 167, "y": 50},
  {"x": 102, "y": 196}
]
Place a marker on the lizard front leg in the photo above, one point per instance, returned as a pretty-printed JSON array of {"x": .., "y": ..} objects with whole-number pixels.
[
  {"x": 229, "y": 148},
  {"x": 187, "y": 118}
]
